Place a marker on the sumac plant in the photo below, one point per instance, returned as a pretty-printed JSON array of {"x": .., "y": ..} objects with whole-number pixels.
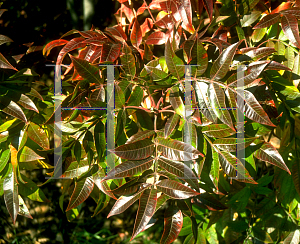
[{"x": 184, "y": 164}]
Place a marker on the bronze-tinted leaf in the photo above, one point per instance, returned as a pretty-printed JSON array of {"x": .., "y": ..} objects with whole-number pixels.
[
  {"x": 11, "y": 198},
  {"x": 181, "y": 170},
  {"x": 173, "y": 221},
  {"x": 70, "y": 46},
  {"x": 146, "y": 210},
  {"x": 267, "y": 152},
  {"x": 267, "y": 21},
  {"x": 141, "y": 136},
  {"x": 175, "y": 190},
  {"x": 129, "y": 168},
  {"x": 28, "y": 155},
  {"x": 233, "y": 144},
  {"x": 124, "y": 202},
  {"x": 117, "y": 30},
  {"x": 175, "y": 64},
  {"x": 13, "y": 109},
  {"x": 216, "y": 98},
  {"x": 136, "y": 34},
  {"x": 4, "y": 39},
  {"x": 221, "y": 65},
  {"x": 110, "y": 52},
  {"x": 38, "y": 135},
  {"x": 290, "y": 28},
  {"x": 86, "y": 71},
  {"x": 135, "y": 151},
  {"x": 171, "y": 124},
  {"x": 218, "y": 130},
  {"x": 156, "y": 38},
  {"x": 53, "y": 44},
  {"x": 208, "y": 201},
  {"x": 177, "y": 150},
  {"x": 82, "y": 190},
  {"x": 253, "y": 110}
]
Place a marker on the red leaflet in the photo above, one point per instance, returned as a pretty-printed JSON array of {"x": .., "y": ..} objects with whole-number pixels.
[
  {"x": 126, "y": 9},
  {"x": 136, "y": 34},
  {"x": 146, "y": 26},
  {"x": 71, "y": 45},
  {"x": 53, "y": 44},
  {"x": 267, "y": 21},
  {"x": 282, "y": 6},
  {"x": 117, "y": 30},
  {"x": 173, "y": 222},
  {"x": 110, "y": 52},
  {"x": 209, "y": 6},
  {"x": 290, "y": 28},
  {"x": 156, "y": 38}
]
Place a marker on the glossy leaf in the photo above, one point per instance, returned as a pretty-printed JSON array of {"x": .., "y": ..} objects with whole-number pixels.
[
  {"x": 28, "y": 155},
  {"x": 175, "y": 64},
  {"x": 177, "y": 150},
  {"x": 156, "y": 38},
  {"x": 4, "y": 64},
  {"x": 290, "y": 28},
  {"x": 4, "y": 157},
  {"x": 268, "y": 153},
  {"x": 38, "y": 135},
  {"x": 173, "y": 221},
  {"x": 171, "y": 124},
  {"x": 185, "y": 12},
  {"x": 176, "y": 101},
  {"x": 70, "y": 46},
  {"x": 117, "y": 30},
  {"x": 128, "y": 61},
  {"x": 233, "y": 144},
  {"x": 110, "y": 52},
  {"x": 204, "y": 104},
  {"x": 216, "y": 98},
  {"x": 11, "y": 198},
  {"x": 146, "y": 210},
  {"x": 82, "y": 190},
  {"x": 14, "y": 110},
  {"x": 293, "y": 237},
  {"x": 175, "y": 190},
  {"x": 23, "y": 210},
  {"x": 124, "y": 202},
  {"x": 252, "y": 109},
  {"x": 209, "y": 6},
  {"x": 135, "y": 151},
  {"x": 141, "y": 136},
  {"x": 218, "y": 130},
  {"x": 4, "y": 39},
  {"x": 53, "y": 44},
  {"x": 136, "y": 34},
  {"x": 179, "y": 169},
  {"x": 86, "y": 71},
  {"x": 267, "y": 21},
  {"x": 221, "y": 65},
  {"x": 129, "y": 168}
]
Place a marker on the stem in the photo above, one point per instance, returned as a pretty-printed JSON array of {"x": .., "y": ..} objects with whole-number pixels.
[{"x": 135, "y": 107}]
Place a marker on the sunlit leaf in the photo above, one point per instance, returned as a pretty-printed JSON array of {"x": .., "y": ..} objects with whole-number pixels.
[
  {"x": 82, "y": 190},
  {"x": 136, "y": 34},
  {"x": 27, "y": 155},
  {"x": 267, "y": 21},
  {"x": 146, "y": 210},
  {"x": 177, "y": 150},
  {"x": 53, "y": 44},
  {"x": 23, "y": 210},
  {"x": 290, "y": 28},
  {"x": 4, "y": 64},
  {"x": 268, "y": 153},
  {"x": 173, "y": 221},
  {"x": 13, "y": 109},
  {"x": 179, "y": 169},
  {"x": 221, "y": 65},
  {"x": 175, "y": 190},
  {"x": 171, "y": 124},
  {"x": 135, "y": 151},
  {"x": 124, "y": 202},
  {"x": 11, "y": 198},
  {"x": 156, "y": 38},
  {"x": 175, "y": 64},
  {"x": 38, "y": 135},
  {"x": 141, "y": 136},
  {"x": 218, "y": 130},
  {"x": 129, "y": 168}
]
